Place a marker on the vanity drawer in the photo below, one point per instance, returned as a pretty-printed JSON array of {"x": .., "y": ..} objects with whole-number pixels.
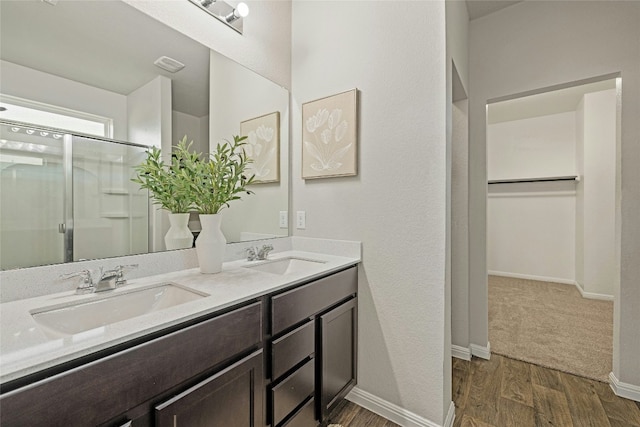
[
  {"x": 305, "y": 417},
  {"x": 127, "y": 378},
  {"x": 295, "y": 305},
  {"x": 292, "y": 348},
  {"x": 290, "y": 393}
]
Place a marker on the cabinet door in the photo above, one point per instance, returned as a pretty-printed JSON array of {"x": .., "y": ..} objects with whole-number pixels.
[
  {"x": 338, "y": 331},
  {"x": 230, "y": 398}
]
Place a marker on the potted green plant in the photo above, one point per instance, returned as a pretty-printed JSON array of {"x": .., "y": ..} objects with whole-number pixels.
[
  {"x": 169, "y": 185},
  {"x": 218, "y": 181}
]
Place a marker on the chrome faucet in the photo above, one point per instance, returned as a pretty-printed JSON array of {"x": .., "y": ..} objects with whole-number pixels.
[
  {"x": 264, "y": 252},
  {"x": 109, "y": 280},
  {"x": 253, "y": 253}
]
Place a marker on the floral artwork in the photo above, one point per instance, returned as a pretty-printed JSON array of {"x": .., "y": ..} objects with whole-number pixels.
[
  {"x": 263, "y": 147},
  {"x": 329, "y": 136}
]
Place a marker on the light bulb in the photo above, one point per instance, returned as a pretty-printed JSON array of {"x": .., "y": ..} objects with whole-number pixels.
[{"x": 240, "y": 11}]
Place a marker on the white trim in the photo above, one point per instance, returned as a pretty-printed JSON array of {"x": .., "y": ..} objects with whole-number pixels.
[
  {"x": 587, "y": 295},
  {"x": 591, "y": 295},
  {"x": 393, "y": 412},
  {"x": 626, "y": 390},
  {"x": 532, "y": 277},
  {"x": 460, "y": 352},
  {"x": 451, "y": 416},
  {"x": 480, "y": 351},
  {"x": 496, "y": 194}
]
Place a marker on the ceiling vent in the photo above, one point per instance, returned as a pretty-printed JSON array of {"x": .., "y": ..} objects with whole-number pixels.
[{"x": 169, "y": 64}]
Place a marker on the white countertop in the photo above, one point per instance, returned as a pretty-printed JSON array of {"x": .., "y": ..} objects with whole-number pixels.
[{"x": 26, "y": 349}]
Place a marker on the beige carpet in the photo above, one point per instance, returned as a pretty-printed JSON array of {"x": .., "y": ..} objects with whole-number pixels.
[{"x": 551, "y": 325}]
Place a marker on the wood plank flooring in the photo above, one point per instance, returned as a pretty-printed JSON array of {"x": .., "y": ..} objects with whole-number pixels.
[
  {"x": 349, "y": 414},
  {"x": 504, "y": 392}
]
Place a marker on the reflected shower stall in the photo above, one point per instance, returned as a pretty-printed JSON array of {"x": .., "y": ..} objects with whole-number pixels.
[{"x": 67, "y": 197}]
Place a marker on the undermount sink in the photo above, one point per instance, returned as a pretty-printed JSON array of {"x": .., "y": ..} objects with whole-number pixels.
[
  {"x": 74, "y": 318},
  {"x": 289, "y": 265}
]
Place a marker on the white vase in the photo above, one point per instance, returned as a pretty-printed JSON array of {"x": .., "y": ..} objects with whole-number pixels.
[
  {"x": 210, "y": 244},
  {"x": 179, "y": 236}
]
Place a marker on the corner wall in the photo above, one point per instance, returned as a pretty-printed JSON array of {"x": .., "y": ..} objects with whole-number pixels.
[
  {"x": 533, "y": 45},
  {"x": 394, "y": 53}
]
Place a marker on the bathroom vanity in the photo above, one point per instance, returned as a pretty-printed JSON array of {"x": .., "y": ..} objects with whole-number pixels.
[{"x": 281, "y": 352}]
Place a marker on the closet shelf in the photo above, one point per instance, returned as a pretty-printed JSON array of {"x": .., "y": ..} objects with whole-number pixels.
[{"x": 542, "y": 179}]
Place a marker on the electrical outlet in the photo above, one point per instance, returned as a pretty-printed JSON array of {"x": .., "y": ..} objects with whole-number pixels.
[
  {"x": 301, "y": 220},
  {"x": 283, "y": 219}
]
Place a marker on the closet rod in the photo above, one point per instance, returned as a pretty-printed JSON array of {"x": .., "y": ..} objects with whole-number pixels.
[{"x": 546, "y": 179}]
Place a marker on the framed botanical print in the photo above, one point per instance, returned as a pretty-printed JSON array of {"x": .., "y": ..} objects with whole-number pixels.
[
  {"x": 263, "y": 147},
  {"x": 329, "y": 136}
]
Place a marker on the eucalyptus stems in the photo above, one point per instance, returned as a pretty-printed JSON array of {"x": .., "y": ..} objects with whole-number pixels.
[
  {"x": 189, "y": 183},
  {"x": 168, "y": 184},
  {"x": 222, "y": 179}
]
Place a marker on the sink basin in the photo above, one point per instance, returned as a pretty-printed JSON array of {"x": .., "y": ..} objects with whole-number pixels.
[
  {"x": 290, "y": 265},
  {"x": 73, "y": 318}
]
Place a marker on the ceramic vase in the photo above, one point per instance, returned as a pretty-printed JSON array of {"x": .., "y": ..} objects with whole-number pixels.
[
  {"x": 179, "y": 236},
  {"x": 210, "y": 244}
]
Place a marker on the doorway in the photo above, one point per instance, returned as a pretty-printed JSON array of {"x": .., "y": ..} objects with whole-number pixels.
[{"x": 551, "y": 167}]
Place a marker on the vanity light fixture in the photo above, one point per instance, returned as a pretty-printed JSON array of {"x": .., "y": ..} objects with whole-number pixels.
[{"x": 224, "y": 12}]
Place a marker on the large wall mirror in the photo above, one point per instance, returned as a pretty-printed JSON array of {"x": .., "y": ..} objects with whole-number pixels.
[{"x": 80, "y": 76}]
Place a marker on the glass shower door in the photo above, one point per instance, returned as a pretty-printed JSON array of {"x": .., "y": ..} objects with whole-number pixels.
[
  {"x": 32, "y": 185},
  {"x": 110, "y": 212}
]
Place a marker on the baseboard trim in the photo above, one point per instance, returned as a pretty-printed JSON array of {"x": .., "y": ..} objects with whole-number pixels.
[
  {"x": 460, "y": 352},
  {"x": 587, "y": 295},
  {"x": 532, "y": 277},
  {"x": 451, "y": 416},
  {"x": 393, "y": 412},
  {"x": 628, "y": 391},
  {"x": 480, "y": 351},
  {"x": 591, "y": 295}
]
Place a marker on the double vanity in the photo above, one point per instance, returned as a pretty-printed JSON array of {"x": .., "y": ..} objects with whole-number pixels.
[{"x": 263, "y": 343}]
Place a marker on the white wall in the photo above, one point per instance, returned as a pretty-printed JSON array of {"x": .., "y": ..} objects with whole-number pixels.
[
  {"x": 149, "y": 109},
  {"x": 195, "y": 128},
  {"x": 460, "y": 226},
  {"x": 531, "y": 226},
  {"x": 34, "y": 85},
  {"x": 253, "y": 96},
  {"x": 533, "y": 45},
  {"x": 599, "y": 156},
  {"x": 457, "y": 229},
  {"x": 531, "y": 231},
  {"x": 534, "y": 147},
  {"x": 394, "y": 53},
  {"x": 580, "y": 193}
]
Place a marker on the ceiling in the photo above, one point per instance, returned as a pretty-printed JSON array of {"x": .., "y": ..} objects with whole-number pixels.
[
  {"x": 543, "y": 104},
  {"x": 105, "y": 44},
  {"x": 480, "y": 8}
]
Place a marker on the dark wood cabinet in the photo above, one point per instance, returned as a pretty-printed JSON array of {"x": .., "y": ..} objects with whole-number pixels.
[
  {"x": 313, "y": 325},
  {"x": 338, "y": 335},
  {"x": 97, "y": 392},
  {"x": 230, "y": 398}
]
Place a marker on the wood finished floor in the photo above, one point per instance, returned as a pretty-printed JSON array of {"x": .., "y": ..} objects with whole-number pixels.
[
  {"x": 503, "y": 392},
  {"x": 349, "y": 414}
]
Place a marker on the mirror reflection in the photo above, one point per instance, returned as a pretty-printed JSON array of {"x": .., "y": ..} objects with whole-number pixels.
[{"x": 87, "y": 68}]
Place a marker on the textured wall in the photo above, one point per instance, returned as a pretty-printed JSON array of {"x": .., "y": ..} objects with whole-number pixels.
[{"x": 394, "y": 53}]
